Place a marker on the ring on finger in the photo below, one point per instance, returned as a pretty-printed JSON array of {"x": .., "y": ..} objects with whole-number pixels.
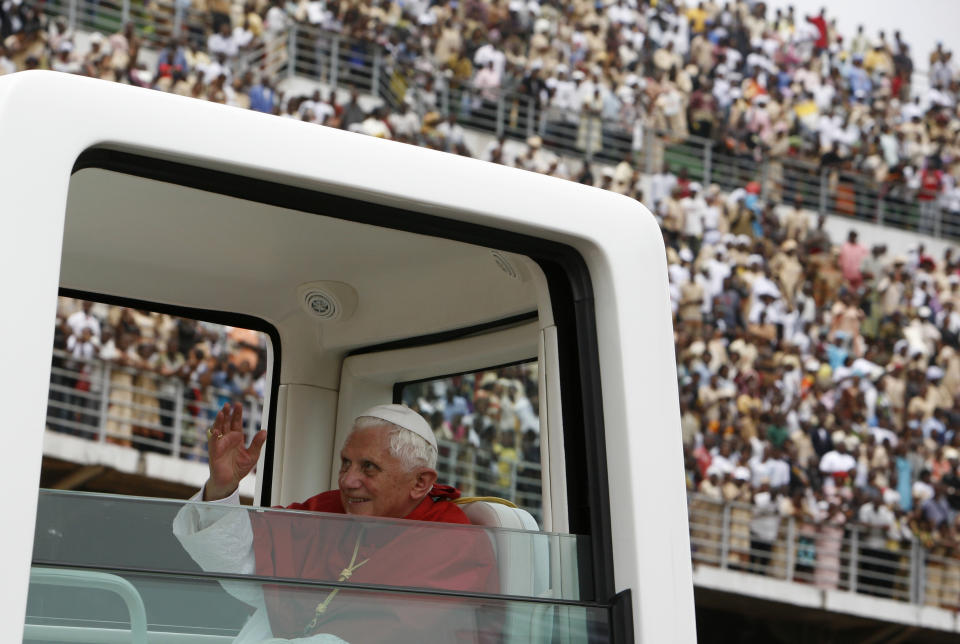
[{"x": 210, "y": 433}]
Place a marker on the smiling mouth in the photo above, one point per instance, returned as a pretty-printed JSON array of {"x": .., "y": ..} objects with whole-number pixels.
[{"x": 357, "y": 500}]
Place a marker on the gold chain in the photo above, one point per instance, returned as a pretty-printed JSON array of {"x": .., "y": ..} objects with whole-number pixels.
[{"x": 345, "y": 574}]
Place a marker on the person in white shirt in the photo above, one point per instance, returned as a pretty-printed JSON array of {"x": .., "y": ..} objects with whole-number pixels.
[
  {"x": 375, "y": 125},
  {"x": 763, "y": 528},
  {"x": 911, "y": 110},
  {"x": 84, "y": 319},
  {"x": 694, "y": 208},
  {"x": 723, "y": 461},
  {"x": 488, "y": 53},
  {"x": 711, "y": 214},
  {"x": 452, "y": 133},
  {"x": 761, "y": 465},
  {"x": 84, "y": 347},
  {"x": 620, "y": 13},
  {"x": 216, "y": 68},
  {"x": 718, "y": 270},
  {"x": 875, "y": 569},
  {"x": 565, "y": 91},
  {"x": 921, "y": 489},
  {"x": 779, "y": 470},
  {"x": 7, "y": 66},
  {"x": 276, "y": 20},
  {"x": 661, "y": 185},
  {"x": 322, "y": 110},
  {"x": 487, "y": 82},
  {"x": 223, "y": 42},
  {"x": 405, "y": 123},
  {"x": 838, "y": 463}
]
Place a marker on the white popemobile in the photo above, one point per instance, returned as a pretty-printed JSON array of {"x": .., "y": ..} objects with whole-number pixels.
[{"x": 368, "y": 263}]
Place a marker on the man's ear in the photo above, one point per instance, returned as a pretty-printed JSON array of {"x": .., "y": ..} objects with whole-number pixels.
[{"x": 425, "y": 478}]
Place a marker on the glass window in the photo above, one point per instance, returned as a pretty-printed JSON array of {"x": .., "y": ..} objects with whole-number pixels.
[
  {"x": 487, "y": 425},
  {"x": 176, "y": 536},
  {"x": 162, "y": 565},
  {"x": 132, "y": 392},
  {"x": 186, "y": 608}
]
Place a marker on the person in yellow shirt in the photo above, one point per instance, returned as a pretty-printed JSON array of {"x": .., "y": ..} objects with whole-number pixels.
[
  {"x": 698, "y": 19},
  {"x": 506, "y": 452},
  {"x": 878, "y": 60},
  {"x": 806, "y": 110}
]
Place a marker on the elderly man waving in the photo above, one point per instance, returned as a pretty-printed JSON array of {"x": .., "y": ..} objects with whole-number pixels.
[{"x": 387, "y": 469}]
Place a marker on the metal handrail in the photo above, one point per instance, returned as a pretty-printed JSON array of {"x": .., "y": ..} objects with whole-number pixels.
[
  {"x": 109, "y": 411},
  {"x": 459, "y": 465},
  {"x": 107, "y": 406},
  {"x": 850, "y": 557},
  {"x": 88, "y": 579},
  {"x": 310, "y": 51}
]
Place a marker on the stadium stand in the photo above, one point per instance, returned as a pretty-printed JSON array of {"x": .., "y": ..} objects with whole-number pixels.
[{"x": 819, "y": 377}]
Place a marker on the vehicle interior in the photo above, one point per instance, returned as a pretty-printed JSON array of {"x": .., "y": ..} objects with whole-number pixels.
[{"x": 357, "y": 298}]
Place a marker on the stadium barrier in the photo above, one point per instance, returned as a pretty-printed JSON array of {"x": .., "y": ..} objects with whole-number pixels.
[
  {"x": 849, "y": 557},
  {"x": 308, "y": 51},
  {"x": 108, "y": 402},
  {"x": 105, "y": 402}
]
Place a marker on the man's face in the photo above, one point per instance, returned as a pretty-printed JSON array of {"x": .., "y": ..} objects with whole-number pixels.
[{"x": 373, "y": 482}]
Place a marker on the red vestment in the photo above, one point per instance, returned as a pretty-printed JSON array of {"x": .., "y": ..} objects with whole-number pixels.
[{"x": 417, "y": 555}]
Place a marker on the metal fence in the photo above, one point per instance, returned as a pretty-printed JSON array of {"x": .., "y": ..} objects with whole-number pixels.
[
  {"x": 108, "y": 402},
  {"x": 158, "y": 22},
  {"x": 307, "y": 51},
  {"x": 478, "y": 472},
  {"x": 850, "y": 557},
  {"x": 342, "y": 62}
]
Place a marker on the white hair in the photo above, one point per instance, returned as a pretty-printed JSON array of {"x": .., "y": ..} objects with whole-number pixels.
[{"x": 411, "y": 448}]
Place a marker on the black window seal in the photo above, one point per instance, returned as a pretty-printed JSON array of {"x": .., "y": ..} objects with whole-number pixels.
[
  {"x": 571, "y": 294},
  {"x": 225, "y": 318},
  {"x": 447, "y": 336}
]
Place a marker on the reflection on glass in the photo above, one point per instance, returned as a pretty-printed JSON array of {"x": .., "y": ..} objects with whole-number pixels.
[
  {"x": 189, "y": 537},
  {"x": 190, "y": 609}
]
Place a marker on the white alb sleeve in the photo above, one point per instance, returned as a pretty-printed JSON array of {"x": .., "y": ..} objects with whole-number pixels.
[{"x": 218, "y": 536}]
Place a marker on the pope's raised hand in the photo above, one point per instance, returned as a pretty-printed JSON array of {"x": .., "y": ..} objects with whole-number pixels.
[{"x": 230, "y": 459}]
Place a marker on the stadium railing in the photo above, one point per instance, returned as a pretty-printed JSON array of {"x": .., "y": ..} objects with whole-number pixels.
[
  {"x": 311, "y": 52},
  {"x": 106, "y": 402},
  {"x": 850, "y": 557},
  {"x": 478, "y": 472},
  {"x": 93, "y": 399}
]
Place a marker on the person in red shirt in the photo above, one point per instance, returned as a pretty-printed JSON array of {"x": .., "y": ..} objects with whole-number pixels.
[
  {"x": 820, "y": 22},
  {"x": 931, "y": 184},
  {"x": 387, "y": 471},
  {"x": 851, "y": 259}
]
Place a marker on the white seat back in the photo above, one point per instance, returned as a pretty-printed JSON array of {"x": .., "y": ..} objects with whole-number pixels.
[{"x": 523, "y": 561}]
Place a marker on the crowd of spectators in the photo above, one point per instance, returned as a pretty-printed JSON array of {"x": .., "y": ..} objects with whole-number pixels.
[
  {"x": 819, "y": 378},
  {"x": 758, "y": 83},
  {"x": 488, "y": 428},
  {"x": 486, "y": 422},
  {"x": 157, "y": 362}
]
